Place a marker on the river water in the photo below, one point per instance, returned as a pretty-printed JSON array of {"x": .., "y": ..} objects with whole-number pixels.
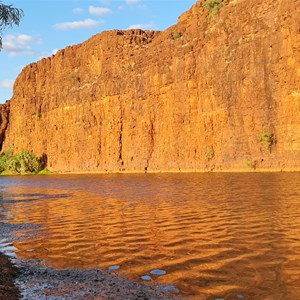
[{"x": 214, "y": 235}]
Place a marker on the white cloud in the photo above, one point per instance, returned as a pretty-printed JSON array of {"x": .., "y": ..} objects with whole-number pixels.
[
  {"x": 142, "y": 26},
  {"x": 78, "y": 10},
  {"x": 87, "y": 23},
  {"x": 99, "y": 11},
  {"x": 7, "y": 84},
  {"x": 54, "y": 51},
  {"x": 130, "y": 2},
  {"x": 20, "y": 44}
]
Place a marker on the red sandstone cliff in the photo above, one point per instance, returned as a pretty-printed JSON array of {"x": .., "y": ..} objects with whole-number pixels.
[
  {"x": 210, "y": 93},
  {"x": 4, "y": 119}
]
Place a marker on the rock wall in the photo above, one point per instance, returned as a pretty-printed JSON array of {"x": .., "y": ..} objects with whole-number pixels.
[
  {"x": 209, "y": 93},
  {"x": 4, "y": 119}
]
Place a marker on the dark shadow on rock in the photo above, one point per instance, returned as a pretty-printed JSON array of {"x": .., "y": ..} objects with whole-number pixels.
[{"x": 43, "y": 161}]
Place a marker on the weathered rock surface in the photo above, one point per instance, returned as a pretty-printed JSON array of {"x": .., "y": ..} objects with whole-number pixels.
[
  {"x": 4, "y": 119},
  {"x": 209, "y": 93}
]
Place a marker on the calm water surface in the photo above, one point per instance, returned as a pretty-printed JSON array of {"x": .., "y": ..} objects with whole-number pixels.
[{"x": 230, "y": 236}]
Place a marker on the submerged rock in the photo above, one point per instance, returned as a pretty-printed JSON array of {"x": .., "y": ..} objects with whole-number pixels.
[
  {"x": 113, "y": 268},
  {"x": 158, "y": 272}
]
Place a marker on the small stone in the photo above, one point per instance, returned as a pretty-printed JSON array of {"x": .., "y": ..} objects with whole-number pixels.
[
  {"x": 146, "y": 277},
  {"x": 158, "y": 272},
  {"x": 113, "y": 268}
]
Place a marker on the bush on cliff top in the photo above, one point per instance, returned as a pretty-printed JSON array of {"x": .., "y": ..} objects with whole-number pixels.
[
  {"x": 213, "y": 6},
  {"x": 23, "y": 163}
]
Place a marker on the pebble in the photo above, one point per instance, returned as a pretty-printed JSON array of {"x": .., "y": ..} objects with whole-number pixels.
[
  {"x": 146, "y": 277},
  {"x": 113, "y": 268},
  {"x": 158, "y": 272}
]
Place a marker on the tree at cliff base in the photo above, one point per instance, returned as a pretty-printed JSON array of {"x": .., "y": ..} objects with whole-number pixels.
[{"x": 23, "y": 163}]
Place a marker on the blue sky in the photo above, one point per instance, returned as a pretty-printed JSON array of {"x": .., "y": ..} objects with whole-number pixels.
[{"x": 51, "y": 25}]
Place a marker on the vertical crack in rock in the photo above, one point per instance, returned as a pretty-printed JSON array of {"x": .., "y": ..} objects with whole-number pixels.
[
  {"x": 99, "y": 148},
  {"x": 151, "y": 144},
  {"x": 269, "y": 109},
  {"x": 121, "y": 141}
]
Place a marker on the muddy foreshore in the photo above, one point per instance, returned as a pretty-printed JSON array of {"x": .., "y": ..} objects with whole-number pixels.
[
  {"x": 8, "y": 272},
  {"x": 32, "y": 280}
]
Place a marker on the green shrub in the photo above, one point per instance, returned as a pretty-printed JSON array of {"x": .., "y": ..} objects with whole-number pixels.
[
  {"x": 213, "y": 6},
  {"x": 266, "y": 139},
  {"x": 44, "y": 172},
  {"x": 8, "y": 162},
  {"x": 29, "y": 163},
  {"x": 176, "y": 35},
  {"x": 251, "y": 163},
  {"x": 3, "y": 161},
  {"x": 25, "y": 162},
  {"x": 37, "y": 115},
  {"x": 13, "y": 165},
  {"x": 209, "y": 152},
  {"x": 6, "y": 172}
]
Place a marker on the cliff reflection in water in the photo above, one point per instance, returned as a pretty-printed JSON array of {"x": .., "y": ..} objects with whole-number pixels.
[{"x": 214, "y": 234}]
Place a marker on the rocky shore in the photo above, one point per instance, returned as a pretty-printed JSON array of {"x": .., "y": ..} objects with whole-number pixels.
[
  {"x": 32, "y": 280},
  {"x": 8, "y": 272},
  {"x": 38, "y": 282}
]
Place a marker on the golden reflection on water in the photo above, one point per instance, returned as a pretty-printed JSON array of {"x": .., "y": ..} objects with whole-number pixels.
[{"x": 216, "y": 235}]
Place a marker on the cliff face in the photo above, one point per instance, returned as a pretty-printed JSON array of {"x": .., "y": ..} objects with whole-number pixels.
[
  {"x": 209, "y": 93},
  {"x": 4, "y": 119}
]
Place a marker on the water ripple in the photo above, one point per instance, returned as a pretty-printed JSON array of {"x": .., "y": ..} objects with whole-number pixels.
[{"x": 226, "y": 236}]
